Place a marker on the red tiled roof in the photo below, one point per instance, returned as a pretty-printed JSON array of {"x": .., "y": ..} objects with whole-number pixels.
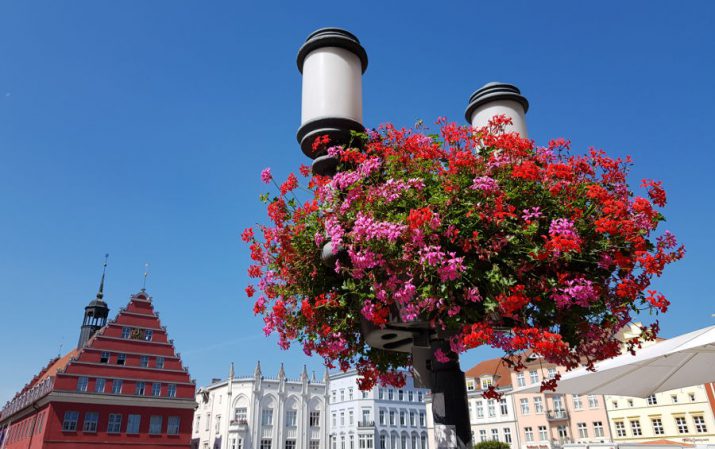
[
  {"x": 51, "y": 369},
  {"x": 492, "y": 367}
]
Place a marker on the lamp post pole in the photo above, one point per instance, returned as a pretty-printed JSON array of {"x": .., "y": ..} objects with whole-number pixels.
[{"x": 332, "y": 62}]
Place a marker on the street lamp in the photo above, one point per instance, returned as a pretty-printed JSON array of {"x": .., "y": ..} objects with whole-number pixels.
[{"x": 332, "y": 62}]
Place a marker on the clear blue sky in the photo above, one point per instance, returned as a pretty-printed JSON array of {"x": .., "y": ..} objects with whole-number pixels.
[{"x": 139, "y": 129}]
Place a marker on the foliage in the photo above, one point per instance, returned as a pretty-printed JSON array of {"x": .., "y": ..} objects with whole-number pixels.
[
  {"x": 480, "y": 233},
  {"x": 492, "y": 445}
]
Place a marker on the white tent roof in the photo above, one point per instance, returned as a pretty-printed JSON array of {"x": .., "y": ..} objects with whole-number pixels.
[{"x": 675, "y": 363}]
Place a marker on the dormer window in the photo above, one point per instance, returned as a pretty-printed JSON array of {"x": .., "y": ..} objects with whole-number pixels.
[
  {"x": 470, "y": 385},
  {"x": 487, "y": 382}
]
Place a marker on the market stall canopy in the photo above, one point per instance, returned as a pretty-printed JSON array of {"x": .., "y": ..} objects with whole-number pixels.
[{"x": 679, "y": 362}]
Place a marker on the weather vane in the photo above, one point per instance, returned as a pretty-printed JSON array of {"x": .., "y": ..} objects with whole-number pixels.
[{"x": 146, "y": 274}]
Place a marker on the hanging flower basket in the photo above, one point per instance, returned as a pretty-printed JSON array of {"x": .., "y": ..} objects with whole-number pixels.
[{"x": 476, "y": 234}]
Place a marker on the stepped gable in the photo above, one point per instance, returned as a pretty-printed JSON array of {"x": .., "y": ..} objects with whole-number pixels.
[
  {"x": 135, "y": 347},
  {"x": 492, "y": 367}
]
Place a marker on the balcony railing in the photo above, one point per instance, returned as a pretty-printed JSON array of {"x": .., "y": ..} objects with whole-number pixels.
[
  {"x": 33, "y": 394},
  {"x": 237, "y": 425},
  {"x": 365, "y": 424},
  {"x": 557, "y": 415}
]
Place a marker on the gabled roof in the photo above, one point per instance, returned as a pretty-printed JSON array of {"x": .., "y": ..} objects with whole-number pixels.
[{"x": 492, "y": 367}]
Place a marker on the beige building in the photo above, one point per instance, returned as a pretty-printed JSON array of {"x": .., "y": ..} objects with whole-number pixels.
[{"x": 682, "y": 415}]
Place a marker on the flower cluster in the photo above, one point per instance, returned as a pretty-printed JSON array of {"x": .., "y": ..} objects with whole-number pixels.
[{"x": 478, "y": 234}]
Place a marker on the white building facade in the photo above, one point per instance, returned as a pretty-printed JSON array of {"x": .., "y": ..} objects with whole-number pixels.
[
  {"x": 257, "y": 412},
  {"x": 382, "y": 418}
]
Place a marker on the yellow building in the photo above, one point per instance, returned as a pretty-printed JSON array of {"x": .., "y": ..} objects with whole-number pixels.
[{"x": 683, "y": 415}]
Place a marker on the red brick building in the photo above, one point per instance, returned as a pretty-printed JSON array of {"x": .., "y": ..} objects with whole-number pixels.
[{"x": 124, "y": 386}]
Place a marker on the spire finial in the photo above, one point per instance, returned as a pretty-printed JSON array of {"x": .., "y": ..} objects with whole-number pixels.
[
  {"x": 258, "y": 373},
  {"x": 100, "y": 293},
  {"x": 146, "y": 275}
]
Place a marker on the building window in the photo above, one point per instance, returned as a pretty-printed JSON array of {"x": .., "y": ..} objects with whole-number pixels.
[
  {"x": 577, "y": 405},
  {"x": 380, "y": 393},
  {"x": 266, "y": 443},
  {"x": 551, "y": 373},
  {"x": 582, "y": 430},
  {"x": 171, "y": 390},
  {"x": 491, "y": 408},
  {"x": 495, "y": 434},
  {"x": 503, "y": 408},
  {"x": 381, "y": 415},
  {"x": 543, "y": 435},
  {"x": 538, "y": 404},
  {"x": 598, "y": 429},
  {"x": 392, "y": 418},
  {"x": 657, "y": 426},
  {"x": 402, "y": 418},
  {"x": 117, "y": 386},
  {"x": 99, "y": 385},
  {"x": 486, "y": 383},
  {"x": 410, "y": 395},
  {"x": 133, "y": 422},
  {"x": 520, "y": 380},
  {"x": 652, "y": 400},
  {"x": 400, "y": 395},
  {"x": 383, "y": 441},
  {"x": 342, "y": 394},
  {"x": 69, "y": 424},
  {"x": 615, "y": 404},
  {"x": 334, "y": 394},
  {"x": 636, "y": 428},
  {"x": 351, "y": 419},
  {"x": 291, "y": 418},
  {"x": 422, "y": 419},
  {"x": 172, "y": 425},
  {"x": 390, "y": 394},
  {"x": 364, "y": 394},
  {"x": 148, "y": 334},
  {"x": 529, "y": 433},
  {"x": 534, "y": 376},
  {"x": 420, "y": 396},
  {"x": 350, "y": 393},
  {"x": 630, "y": 402},
  {"x": 114, "y": 425},
  {"x": 413, "y": 423},
  {"x": 342, "y": 418},
  {"x": 156, "y": 389},
  {"x": 121, "y": 359},
  {"x": 674, "y": 398},
  {"x": 620, "y": 429},
  {"x": 507, "y": 435},
  {"x": 155, "y": 423},
  {"x": 315, "y": 419},
  {"x": 681, "y": 424},
  {"x": 563, "y": 432},
  {"x": 104, "y": 357},
  {"x": 126, "y": 332},
  {"x": 82, "y": 383},
  {"x": 314, "y": 444},
  {"x": 267, "y": 417},
  {"x": 480, "y": 409},
  {"x": 365, "y": 441},
  {"x": 208, "y": 422},
  {"x": 524, "y": 406},
  {"x": 699, "y": 422},
  {"x": 144, "y": 361},
  {"x": 366, "y": 416},
  {"x": 139, "y": 389},
  {"x": 692, "y": 397},
  {"x": 90, "y": 422},
  {"x": 592, "y": 401},
  {"x": 290, "y": 444},
  {"x": 160, "y": 362}
]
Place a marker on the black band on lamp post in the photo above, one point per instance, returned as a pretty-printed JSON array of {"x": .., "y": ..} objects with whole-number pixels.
[
  {"x": 332, "y": 37},
  {"x": 336, "y": 128},
  {"x": 492, "y": 92}
]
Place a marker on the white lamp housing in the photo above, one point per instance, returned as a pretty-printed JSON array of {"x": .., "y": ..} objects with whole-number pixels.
[
  {"x": 332, "y": 62},
  {"x": 497, "y": 99}
]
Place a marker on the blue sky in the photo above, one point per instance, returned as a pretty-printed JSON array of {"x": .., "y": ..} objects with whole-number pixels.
[{"x": 140, "y": 129}]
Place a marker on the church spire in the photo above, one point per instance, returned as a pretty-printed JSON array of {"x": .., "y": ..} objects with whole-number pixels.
[{"x": 100, "y": 292}]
